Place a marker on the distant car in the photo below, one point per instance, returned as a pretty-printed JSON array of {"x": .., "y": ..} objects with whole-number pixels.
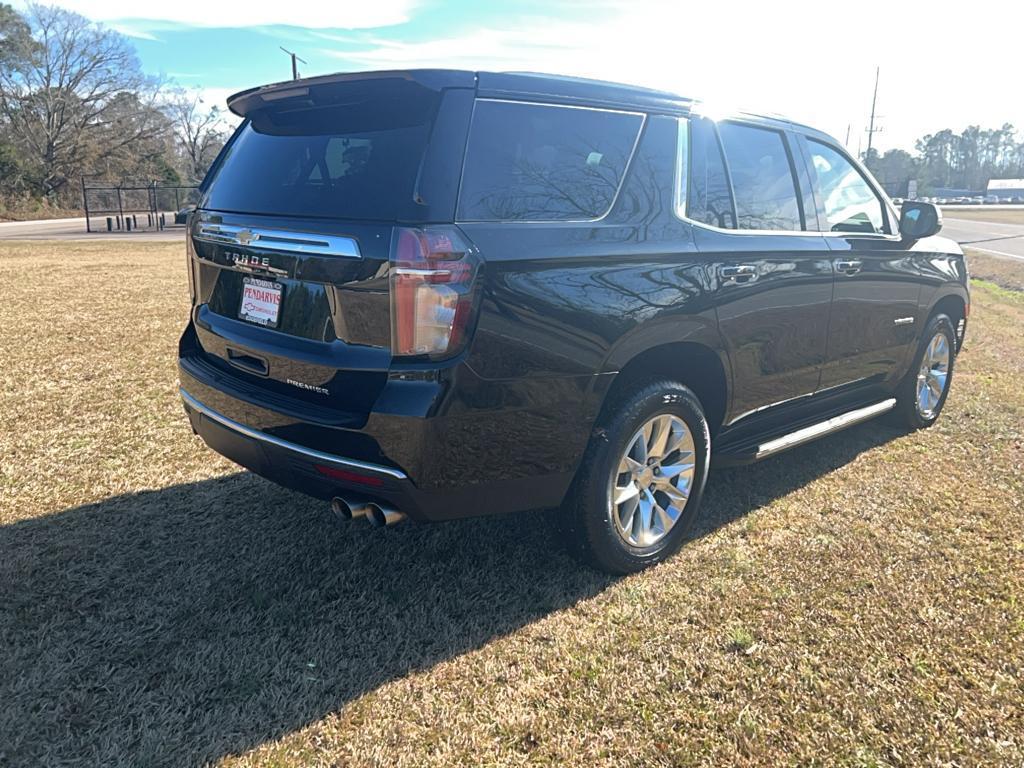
[
  {"x": 977, "y": 200},
  {"x": 942, "y": 201},
  {"x": 1005, "y": 200},
  {"x": 181, "y": 217},
  {"x": 991, "y": 200},
  {"x": 1019, "y": 200}
]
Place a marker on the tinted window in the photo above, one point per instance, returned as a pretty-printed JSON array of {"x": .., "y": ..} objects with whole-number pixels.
[
  {"x": 353, "y": 162},
  {"x": 533, "y": 162},
  {"x": 762, "y": 178},
  {"x": 850, "y": 203},
  {"x": 709, "y": 200}
]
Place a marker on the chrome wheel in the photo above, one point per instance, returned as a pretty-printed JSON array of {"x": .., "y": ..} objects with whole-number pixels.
[
  {"x": 650, "y": 488},
  {"x": 933, "y": 375}
]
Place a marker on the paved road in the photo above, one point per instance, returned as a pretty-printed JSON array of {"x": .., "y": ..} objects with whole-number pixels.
[
  {"x": 74, "y": 229},
  {"x": 997, "y": 239}
]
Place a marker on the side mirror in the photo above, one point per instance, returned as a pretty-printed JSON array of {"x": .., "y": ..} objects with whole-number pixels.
[{"x": 919, "y": 220}]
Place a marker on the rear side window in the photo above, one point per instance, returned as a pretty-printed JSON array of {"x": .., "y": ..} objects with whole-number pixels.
[
  {"x": 538, "y": 162},
  {"x": 709, "y": 200},
  {"x": 356, "y": 161},
  {"x": 762, "y": 178},
  {"x": 850, "y": 203}
]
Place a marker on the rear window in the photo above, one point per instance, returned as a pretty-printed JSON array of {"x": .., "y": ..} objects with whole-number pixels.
[
  {"x": 762, "y": 178},
  {"x": 538, "y": 162},
  {"x": 710, "y": 200},
  {"x": 357, "y": 161}
]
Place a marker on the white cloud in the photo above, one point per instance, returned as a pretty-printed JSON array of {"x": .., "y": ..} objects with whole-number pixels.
[
  {"x": 811, "y": 61},
  {"x": 136, "y": 32},
  {"x": 139, "y": 19}
]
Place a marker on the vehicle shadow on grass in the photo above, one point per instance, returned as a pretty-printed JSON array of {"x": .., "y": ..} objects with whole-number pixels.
[{"x": 177, "y": 626}]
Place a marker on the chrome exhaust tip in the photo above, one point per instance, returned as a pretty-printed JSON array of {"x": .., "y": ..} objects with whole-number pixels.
[
  {"x": 347, "y": 510},
  {"x": 381, "y": 515}
]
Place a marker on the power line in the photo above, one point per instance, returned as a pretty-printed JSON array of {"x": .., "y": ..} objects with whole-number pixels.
[{"x": 295, "y": 58}]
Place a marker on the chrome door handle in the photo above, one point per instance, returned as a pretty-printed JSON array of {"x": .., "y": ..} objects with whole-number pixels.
[
  {"x": 851, "y": 267},
  {"x": 741, "y": 273}
]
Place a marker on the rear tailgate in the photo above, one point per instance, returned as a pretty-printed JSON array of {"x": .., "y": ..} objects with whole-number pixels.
[{"x": 289, "y": 250}]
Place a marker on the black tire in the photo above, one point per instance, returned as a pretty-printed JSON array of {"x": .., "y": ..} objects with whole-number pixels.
[
  {"x": 586, "y": 520},
  {"x": 907, "y": 413}
]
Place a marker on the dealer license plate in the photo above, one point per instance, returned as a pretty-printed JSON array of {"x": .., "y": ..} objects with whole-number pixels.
[{"x": 261, "y": 301}]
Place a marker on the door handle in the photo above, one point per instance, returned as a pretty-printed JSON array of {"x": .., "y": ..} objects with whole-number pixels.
[
  {"x": 740, "y": 273},
  {"x": 848, "y": 267}
]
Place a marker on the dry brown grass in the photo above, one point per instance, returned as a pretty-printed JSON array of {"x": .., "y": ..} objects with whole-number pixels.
[
  {"x": 859, "y": 601},
  {"x": 981, "y": 213},
  {"x": 1003, "y": 271}
]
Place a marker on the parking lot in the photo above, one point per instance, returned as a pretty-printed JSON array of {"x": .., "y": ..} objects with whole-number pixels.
[{"x": 859, "y": 601}]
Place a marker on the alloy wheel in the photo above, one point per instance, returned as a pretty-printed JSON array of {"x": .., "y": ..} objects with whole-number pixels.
[
  {"x": 933, "y": 375},
  {"x": 652, "y": 481}
]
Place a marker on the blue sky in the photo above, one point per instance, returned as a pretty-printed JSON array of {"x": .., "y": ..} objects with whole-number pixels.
[{"x": 812, "y": 61}]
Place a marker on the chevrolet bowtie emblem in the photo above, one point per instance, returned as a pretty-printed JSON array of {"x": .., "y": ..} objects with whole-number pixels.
[{"x": 247, "y": 236}]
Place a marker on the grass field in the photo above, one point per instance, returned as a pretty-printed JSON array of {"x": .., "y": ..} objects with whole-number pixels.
[
  {"x": 856, "y": 602},
  {"x": 980, "y": 213},
  {"x": 1004, "y": 272}
]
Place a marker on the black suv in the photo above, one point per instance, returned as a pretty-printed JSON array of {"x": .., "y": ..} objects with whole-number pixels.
[{"x": 439, "y": 294}]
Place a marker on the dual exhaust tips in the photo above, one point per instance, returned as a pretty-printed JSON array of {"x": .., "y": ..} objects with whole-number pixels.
[{"x": 378, "y": 515}]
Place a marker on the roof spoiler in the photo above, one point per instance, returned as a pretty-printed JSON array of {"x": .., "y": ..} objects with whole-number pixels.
[{"x": 326, "y": 89}]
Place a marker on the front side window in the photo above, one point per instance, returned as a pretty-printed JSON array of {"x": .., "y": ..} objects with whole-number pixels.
[
  {"x": 540, "y": 162},
  {"x": 762, "y": 178},
  {"x": 850, "y": 203}
]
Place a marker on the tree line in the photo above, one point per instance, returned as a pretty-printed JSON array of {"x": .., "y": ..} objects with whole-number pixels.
[
  {"x": 951, "y": 160},
  {"x": 74, "y": 101}
]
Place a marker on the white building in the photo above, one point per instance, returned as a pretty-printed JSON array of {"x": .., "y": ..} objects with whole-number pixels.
[{"x": 1006, "y": 187}]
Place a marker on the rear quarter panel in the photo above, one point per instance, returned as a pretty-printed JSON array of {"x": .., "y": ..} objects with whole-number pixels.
[{"x": 566, "y": 305}]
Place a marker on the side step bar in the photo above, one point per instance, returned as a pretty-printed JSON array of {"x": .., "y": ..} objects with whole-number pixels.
[{"x": 813, "y": 432}]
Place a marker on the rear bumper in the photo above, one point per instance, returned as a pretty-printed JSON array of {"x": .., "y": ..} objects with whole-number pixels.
[
  {"x": 478, "y": 456},
  {"x": 295, "y": 466}
]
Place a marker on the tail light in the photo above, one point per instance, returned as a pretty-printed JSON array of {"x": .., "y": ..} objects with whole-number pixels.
[{"x": 432, "y": 275}]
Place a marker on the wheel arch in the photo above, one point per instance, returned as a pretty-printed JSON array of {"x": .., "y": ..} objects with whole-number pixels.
[
  {"x": 696, "y": 360},
  {"x": 956, "y": 305}
]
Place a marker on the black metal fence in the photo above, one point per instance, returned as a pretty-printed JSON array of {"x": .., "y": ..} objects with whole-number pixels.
[{"x": 127, "y": 206}]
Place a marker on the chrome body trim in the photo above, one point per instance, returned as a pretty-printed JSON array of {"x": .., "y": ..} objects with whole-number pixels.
[
  {"x": 309, "y": 453},
  {"x": 278, "y": 240},
  {"x": 823, "y": 428},
  {"x": 903, "y": 321}
]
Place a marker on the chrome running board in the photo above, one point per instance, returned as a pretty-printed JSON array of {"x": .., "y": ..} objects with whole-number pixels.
[{"x": 823, "y": 428}]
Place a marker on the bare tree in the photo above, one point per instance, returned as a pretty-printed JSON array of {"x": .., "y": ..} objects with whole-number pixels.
[
  {"x": 63, "y": 97},
  {"x": 200, "y": 132}
]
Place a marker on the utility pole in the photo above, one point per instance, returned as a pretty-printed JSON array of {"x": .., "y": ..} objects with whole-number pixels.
[
  {"x": 295, "y": 58},
  {"x": 847, "y": 142},
  {"x": 871, "y": 125}
]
